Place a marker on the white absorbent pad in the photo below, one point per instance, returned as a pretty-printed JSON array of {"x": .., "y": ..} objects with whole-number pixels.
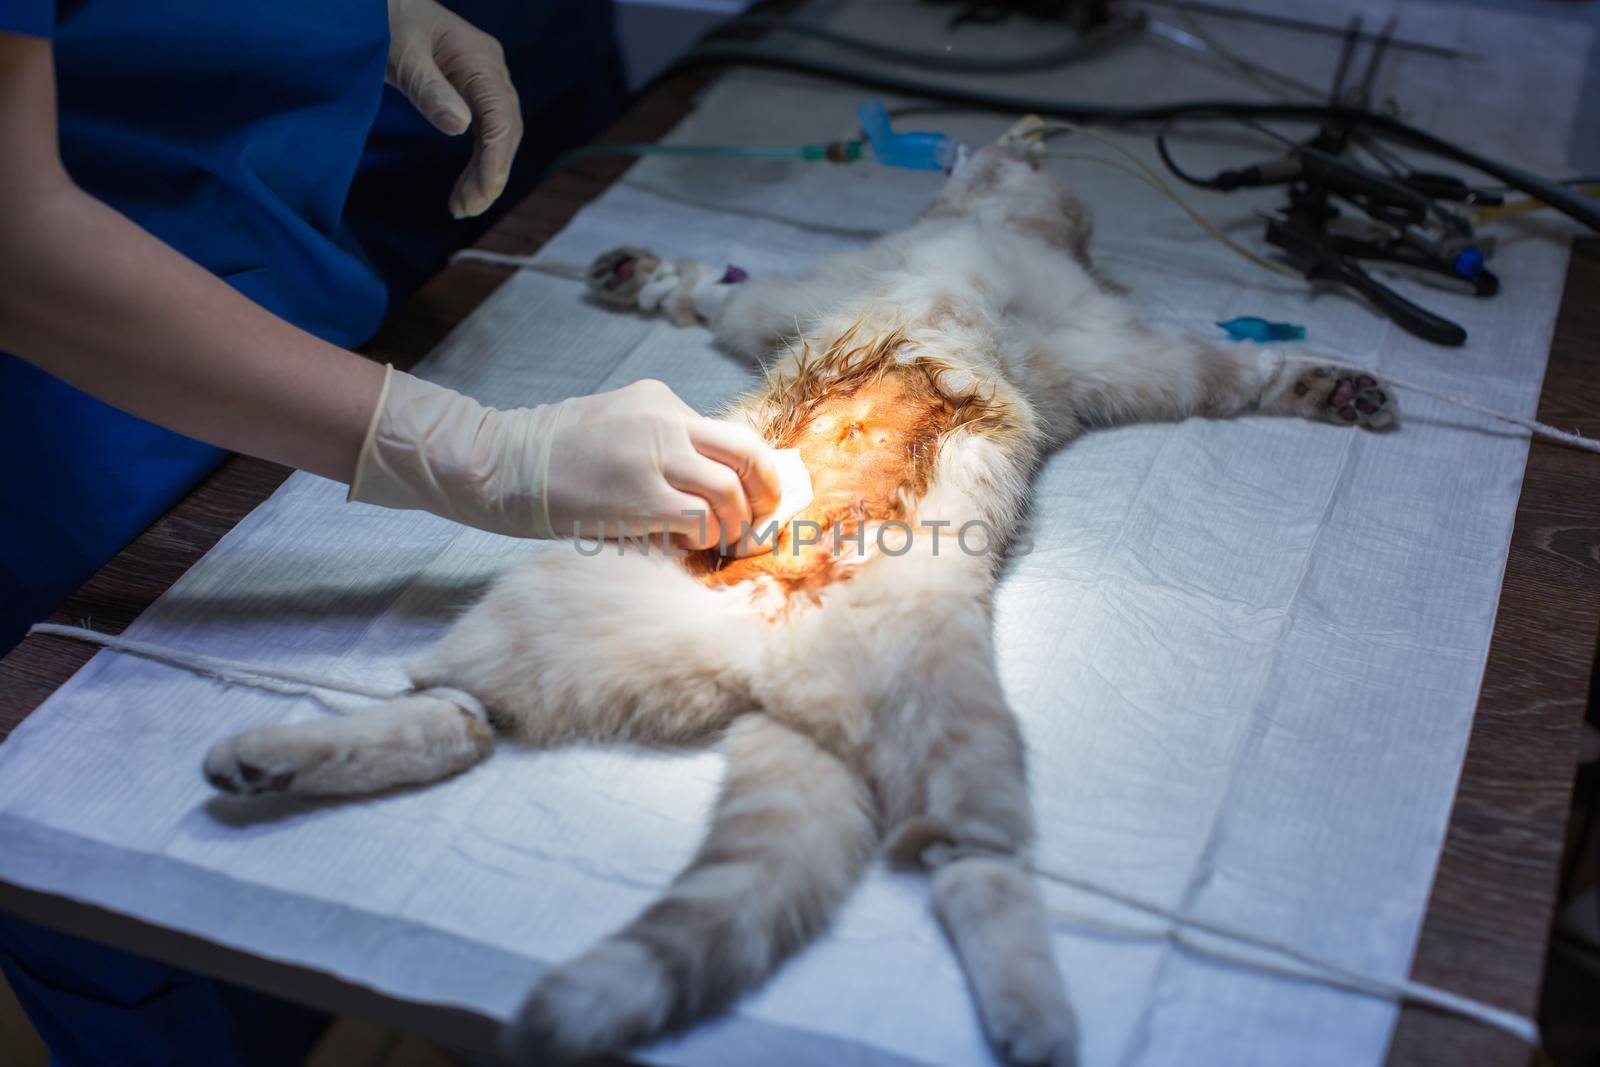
[{"x": 1245, "y": 654}]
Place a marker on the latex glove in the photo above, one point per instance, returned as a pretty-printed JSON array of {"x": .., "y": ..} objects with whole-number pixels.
[
  {"x": 637, "y": 455},
  {"x": 455, "y": 74},
  {"x": 641, "y": 454}
]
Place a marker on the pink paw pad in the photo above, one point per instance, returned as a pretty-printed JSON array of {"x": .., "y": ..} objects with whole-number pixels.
[
  {"x": 1356, "y": 396},
  {"x": 610, "y": 272},
  {"x": 616, "y": 276}
]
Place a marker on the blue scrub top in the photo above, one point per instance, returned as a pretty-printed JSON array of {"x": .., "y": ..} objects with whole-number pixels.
[{"x": 232, "y": 130}]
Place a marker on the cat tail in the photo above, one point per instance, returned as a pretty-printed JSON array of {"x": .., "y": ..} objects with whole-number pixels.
[{"x": 790, "y": 834}]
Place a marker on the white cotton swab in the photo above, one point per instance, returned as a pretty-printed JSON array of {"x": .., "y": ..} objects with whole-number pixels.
[{"x": 794, "y": 481}]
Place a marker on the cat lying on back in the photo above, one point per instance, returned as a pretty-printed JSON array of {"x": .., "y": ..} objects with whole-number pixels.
[{"x": 852, "y": 680}]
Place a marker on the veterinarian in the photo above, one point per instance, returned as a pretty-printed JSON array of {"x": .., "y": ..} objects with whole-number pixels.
[
  {"x": 202, "y": 206},
  {"x": 186, "y": 273}
]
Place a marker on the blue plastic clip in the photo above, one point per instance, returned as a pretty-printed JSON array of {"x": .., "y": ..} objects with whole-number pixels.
[
  {"x": 1250, "y": 328},
  {"x": 1468, "y": 263},
  {"x": 915, "y": 151}
]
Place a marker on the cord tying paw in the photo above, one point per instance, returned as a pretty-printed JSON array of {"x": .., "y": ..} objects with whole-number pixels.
[{"x": 685, "y": 290}]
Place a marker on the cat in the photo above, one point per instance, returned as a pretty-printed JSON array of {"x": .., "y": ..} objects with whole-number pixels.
[{"x": 852, "y": 680}]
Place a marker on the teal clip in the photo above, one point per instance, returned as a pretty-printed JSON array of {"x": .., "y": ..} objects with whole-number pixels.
[{"x": 1250, "y": 328}]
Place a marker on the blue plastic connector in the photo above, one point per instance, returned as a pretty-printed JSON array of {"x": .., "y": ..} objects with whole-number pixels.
[
  {"x": 914, "y": 151},
  {"x": 1468, "y": 263},
  {"x": 1250, "y": 328}
]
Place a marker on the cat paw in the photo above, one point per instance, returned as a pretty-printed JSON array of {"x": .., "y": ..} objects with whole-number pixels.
[
  {"x": 1344, "y": 395},
  {"x": 262, "y": 761},
  {"x": 1029, "y": 1033},
  {"x": 685, "y": 291},
  {"x": 618, "y": 276},
  {"x": 604, "y": 1002}
]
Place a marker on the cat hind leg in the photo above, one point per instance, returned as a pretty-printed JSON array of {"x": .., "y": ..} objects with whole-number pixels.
[
  {"x": 956, "y": 790},
  {"x": 790, "y": 834},
  {"x": 618, "y": 646}
]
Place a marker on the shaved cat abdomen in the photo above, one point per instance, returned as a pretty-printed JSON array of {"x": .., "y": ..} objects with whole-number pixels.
[
  {"x": 869, "y": 414},
  {"x": 870, "y": 450}
]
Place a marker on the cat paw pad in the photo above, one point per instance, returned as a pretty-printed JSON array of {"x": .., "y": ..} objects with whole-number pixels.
[
  {"x": 618, "y": 276},
  {"x": 246, "y": 766},
  {"x": 1346, "y": 396},
  {"x": 1032, "y": 1039}
]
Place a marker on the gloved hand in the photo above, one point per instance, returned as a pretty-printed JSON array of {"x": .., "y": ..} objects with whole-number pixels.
[
  {"x": 455, "y": 74},
  {"x": 639, "y": 454},
  {"x": 636, "y": 455}
]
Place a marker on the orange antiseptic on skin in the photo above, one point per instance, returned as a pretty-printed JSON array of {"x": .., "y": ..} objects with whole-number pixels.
[
  {"x": 867, "y": 452},
  {"x": 868, "y": 426}
]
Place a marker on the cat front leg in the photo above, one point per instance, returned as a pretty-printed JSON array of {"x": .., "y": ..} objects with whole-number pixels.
[
  {"x": 1325, "y": 392},
  {"x": 685, "y": 290},
  {"x": 1240, "y": 379},
  {"x": 1120, "y": 373},
  {"x": 417, "y": 738},
  {"x": 750, "y": 316}
]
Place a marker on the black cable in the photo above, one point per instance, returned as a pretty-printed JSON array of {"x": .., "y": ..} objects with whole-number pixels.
[
  {"x": 1080, "y": 47},
  {"x": 1304, "y": 26},
  {"x": 1573, "y": 205},
  {"x": 1172, "y": 165},
  {"x": 905, "y": 110},
  {"x": 1256, "y": 73},
  {"x": 1581, "y": 180},
  {"x": 1385, "y": 158},
  {"x": 1346, "y": 52},
  {"x": 1289, "y": 167},
  {"x": 1397, "y": 192}
]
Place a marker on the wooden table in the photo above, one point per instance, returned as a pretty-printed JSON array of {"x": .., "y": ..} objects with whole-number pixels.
[{"x": 1489, "y": 917}]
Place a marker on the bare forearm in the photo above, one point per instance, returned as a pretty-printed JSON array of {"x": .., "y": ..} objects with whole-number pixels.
[{"x": 93, "y": 299}]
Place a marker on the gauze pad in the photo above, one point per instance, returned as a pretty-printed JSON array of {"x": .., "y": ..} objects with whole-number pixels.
[
  {"x": 796, "y": 482},
  {"x": 796, "y": 493}
]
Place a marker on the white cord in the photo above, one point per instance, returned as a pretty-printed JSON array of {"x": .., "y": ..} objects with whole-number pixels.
[
  {"x": 501, "y": 259},
  {"x": 1539, "y": 429},
  {"x": 1291, "y": 963},
  {"x": 260, "y": 676},
  {"x": 1301, "y": 965}
]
